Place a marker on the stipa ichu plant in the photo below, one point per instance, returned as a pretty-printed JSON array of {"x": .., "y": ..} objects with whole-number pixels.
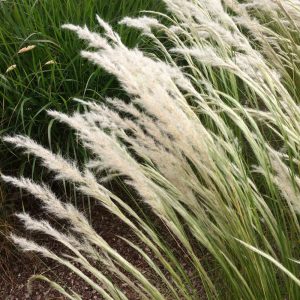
[{"x": 209, "y": 141}]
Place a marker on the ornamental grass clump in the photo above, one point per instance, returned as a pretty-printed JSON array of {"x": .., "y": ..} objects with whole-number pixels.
[{"x": 209, "y": 141}]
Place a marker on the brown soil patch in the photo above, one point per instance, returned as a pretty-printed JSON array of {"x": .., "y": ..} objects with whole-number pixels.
[{"x": 16, "y": 267}]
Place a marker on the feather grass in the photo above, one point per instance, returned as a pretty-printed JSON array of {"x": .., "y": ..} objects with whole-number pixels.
[{"x": 209, "y": 142}]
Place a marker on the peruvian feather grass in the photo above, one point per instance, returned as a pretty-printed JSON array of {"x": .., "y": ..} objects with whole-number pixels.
[
  {"x": 209, "y": 142},
  {"x": 41, "y": 69}
]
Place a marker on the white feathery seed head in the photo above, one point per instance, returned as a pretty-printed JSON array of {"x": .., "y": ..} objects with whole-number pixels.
[
  {"x": 144, "y": 23},
  {"x": 54, "y": 162}
]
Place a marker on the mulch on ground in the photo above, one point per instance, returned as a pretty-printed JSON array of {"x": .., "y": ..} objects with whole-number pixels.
[{"x": 17, "y": 267}]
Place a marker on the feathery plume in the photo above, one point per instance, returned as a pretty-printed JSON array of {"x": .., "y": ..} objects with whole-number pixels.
[
  {"x": 26, "y": 49},
  {"x": 11, "y": 68}
]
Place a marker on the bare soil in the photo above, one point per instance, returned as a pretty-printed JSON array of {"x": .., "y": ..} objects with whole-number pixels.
[{"x": 17, "y": 267}]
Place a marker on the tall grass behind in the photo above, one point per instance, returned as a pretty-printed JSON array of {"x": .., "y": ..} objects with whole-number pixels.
[{"x": 210, "y": 143}]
